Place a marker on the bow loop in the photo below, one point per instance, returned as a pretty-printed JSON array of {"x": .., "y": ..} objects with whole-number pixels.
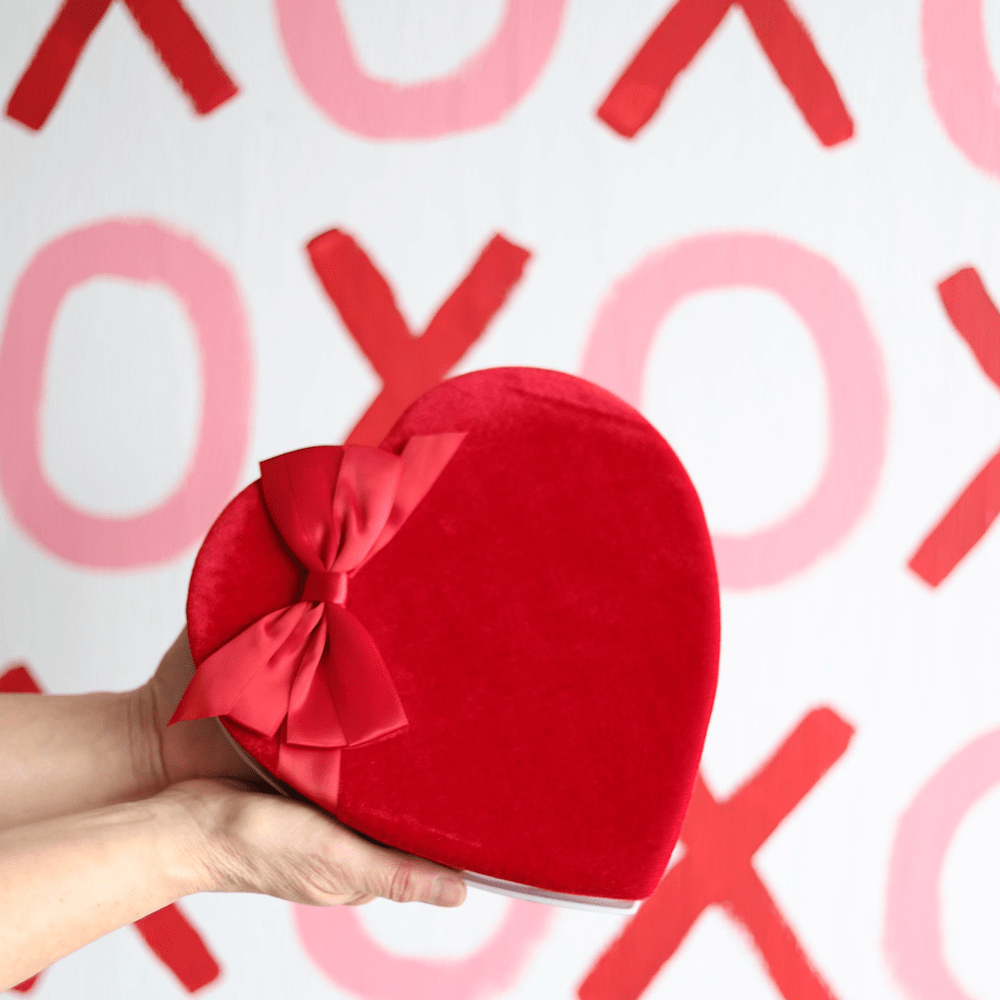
[
  {"x": 330, "y": 504},
  {"x": 310, "y": 675}
]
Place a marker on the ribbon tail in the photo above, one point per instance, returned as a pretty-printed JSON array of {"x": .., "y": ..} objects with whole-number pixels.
[
  {"x": 313, "y": 771},
  {"x": 362, "y": 689},
  {"x": 313, "y": 719}
]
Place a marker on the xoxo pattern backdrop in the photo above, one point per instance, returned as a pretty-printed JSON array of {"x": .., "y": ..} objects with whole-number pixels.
[{"x": 233, "y": 230}]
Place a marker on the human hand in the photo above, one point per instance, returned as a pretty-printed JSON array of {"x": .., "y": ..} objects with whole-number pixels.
[
  {"x": 253, "y": 842},
  {"x": 246, "y": 841}
]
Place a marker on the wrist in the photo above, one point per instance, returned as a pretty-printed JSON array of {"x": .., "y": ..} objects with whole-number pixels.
[
  {"x": 143, "y": 739},
  {"x": 189, "y": 848},
  {"x": 210, "y": 821}
]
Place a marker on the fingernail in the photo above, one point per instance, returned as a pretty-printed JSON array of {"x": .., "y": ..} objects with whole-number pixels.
[{"x": 447, "y": 892}]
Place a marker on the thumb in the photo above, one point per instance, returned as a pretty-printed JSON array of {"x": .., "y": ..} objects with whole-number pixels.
[{"x": 371, "y": 870}]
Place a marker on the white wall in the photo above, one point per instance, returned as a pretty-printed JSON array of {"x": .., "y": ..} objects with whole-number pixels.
[{"x": 734, "y": 380}]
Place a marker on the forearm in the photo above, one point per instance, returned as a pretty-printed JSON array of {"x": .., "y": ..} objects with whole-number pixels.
[
  {"x": 65, "y": 882},
  {"x": 70, "y": 753}
]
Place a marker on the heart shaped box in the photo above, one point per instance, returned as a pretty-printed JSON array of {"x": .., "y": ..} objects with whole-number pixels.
[{"x": 549, "y": 615}]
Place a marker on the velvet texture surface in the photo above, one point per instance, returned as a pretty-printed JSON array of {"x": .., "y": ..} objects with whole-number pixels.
[{"x": 549, "y": 615}]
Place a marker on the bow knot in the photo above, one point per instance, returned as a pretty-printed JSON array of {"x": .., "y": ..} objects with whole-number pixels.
[
  {"x": 310, "y": 675},
  {"x": 324, "y": 587}
]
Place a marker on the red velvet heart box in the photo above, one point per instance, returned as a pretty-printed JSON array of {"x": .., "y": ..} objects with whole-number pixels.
[{"x": 548, "y": 614}]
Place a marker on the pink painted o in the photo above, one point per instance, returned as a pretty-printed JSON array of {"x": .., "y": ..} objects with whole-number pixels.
[
  {"x": 139, "y": 251},
  {"x": 336, "y": 941},
  {"x": 963, "y": 87},
  {"x": 479, "y": 93},
  {"x": 913, "y": 928},
  {"x": 618, "y": 348}
]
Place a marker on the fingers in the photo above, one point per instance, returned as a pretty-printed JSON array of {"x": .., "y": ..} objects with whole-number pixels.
[{"x": 199, "y": 748}]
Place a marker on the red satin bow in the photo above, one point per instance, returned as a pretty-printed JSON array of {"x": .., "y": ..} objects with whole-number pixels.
[{"x": 310, "y": 674}]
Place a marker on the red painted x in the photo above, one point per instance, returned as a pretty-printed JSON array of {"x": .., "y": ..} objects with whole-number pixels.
[
  {"x": 721, "y": 839},
  {"x": 679, "y": 37},
  {"x": 977, "y": 321},
  {"x": 175, "y": 37},
  {"x": 409, "y": 365},
  {"x": 167, "y": 932}
]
